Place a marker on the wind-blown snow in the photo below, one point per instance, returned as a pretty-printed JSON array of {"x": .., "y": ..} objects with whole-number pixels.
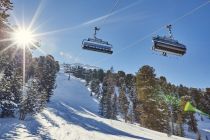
[{"x": 72, "y": 115}]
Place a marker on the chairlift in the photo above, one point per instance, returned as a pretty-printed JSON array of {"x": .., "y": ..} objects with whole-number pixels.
[
  {"x": 169, "y": 45},
  {"x": 96, "y": 44}
]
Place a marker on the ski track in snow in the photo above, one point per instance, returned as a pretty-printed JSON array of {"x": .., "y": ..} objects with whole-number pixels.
[{"x": 72, "y": 115}]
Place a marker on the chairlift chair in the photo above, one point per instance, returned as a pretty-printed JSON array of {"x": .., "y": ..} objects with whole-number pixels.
[
  {"x": 96, "y": 44},
  {"x": 167, "y": 45}
]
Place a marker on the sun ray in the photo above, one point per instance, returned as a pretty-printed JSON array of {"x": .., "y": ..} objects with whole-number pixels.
[
  {"x": 36, "y": 15},
  {"x": 11, "y": 45},
  {"x": 39, "y": 26},
  {"x": 90, "y": 22},
  {"x": 23, "y": 19},
  {"x": 14, "y": 53},
  {"x": 17, "y": 23},
  {"x": 59, "y": 30},
  {"x": 38, "y": 48},
  {"x": 101, "y": 18},
  {"x": 23, "y": 36},
  {"x": 24, "y": 66},
  {"x": 6, "y": 40}
]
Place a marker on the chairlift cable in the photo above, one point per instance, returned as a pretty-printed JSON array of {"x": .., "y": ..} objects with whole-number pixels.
[
  {"x": 157, "y": 30},
  {"x": 190, "y": 12},
  {"x": 97, "y": 44},
  {"x": 168, "y": 44},
  {"x": 111, "y": 11},
  {"x": 103, "y": 22}
]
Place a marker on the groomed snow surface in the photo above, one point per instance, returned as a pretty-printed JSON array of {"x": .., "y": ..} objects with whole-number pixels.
[{"x": 72, "y": 114}]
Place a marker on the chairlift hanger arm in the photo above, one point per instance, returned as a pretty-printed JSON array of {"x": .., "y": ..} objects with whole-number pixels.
[
  {"x": 170, "y": 30},
  {"x": 95, "y": 31}
]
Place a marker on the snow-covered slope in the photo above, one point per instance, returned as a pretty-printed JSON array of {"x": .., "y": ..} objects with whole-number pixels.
[
  {"x": 72, "y": 115},
  {"x": 203, "y": 126}
]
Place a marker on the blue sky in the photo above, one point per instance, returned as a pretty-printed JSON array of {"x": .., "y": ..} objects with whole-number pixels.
[{"x": 132, "y": 21}]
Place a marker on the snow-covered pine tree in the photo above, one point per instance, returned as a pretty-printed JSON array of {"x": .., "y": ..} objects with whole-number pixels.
[
  {"x": 192, "y": 123},
  {"x": 40, "y": 86},
  {"x": 95, "y": 87},
  {"x": 120, "y": 78},
  {"x": 205, "y": 100},
  {"x": 147, "y": 93},
  {"x": 131, "y": 91},
  {"x": 180, "y": 121},
  {"x": 6, "y": 96},
  {"x": 189, "y": 117},
  {"x": 34, "y": 100},
  {"x": 123, "y": 102},
  {"x": 5, "y": 6},
  {"x": 57, "y": 66},
  {"x": 100, "y": 75},
  {"x": 115, "y": 106},
  {"x": 167, "y": 105},
  {"x": 7, "y": 103},
  {"x": 11, "y": 62},
  {"x": 94, "y": 74},
  {"x": 16, "y": 87},
  {"x": 106, "y": 102},
  {"x": 51, "y": 76},
  {"x": 10, "y": 89},
  {"x": 103, "y": 101},
  {"x": 46, "y": 73}
]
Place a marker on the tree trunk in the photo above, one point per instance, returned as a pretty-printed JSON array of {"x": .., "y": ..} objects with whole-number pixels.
[
  {"x": 22, "y": 115},
  {"x": 125, "y": 118}
]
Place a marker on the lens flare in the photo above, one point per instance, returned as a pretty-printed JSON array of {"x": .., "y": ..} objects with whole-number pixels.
[{"x": 23, "y": 37}]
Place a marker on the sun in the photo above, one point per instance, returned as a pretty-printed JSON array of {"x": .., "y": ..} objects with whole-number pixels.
[{"x": 23, "y": 37}]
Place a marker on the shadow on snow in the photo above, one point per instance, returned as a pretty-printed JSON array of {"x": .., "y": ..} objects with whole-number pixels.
[
  {"x": 89, "y": 124},
  {"x": 8, "y": 127}
]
